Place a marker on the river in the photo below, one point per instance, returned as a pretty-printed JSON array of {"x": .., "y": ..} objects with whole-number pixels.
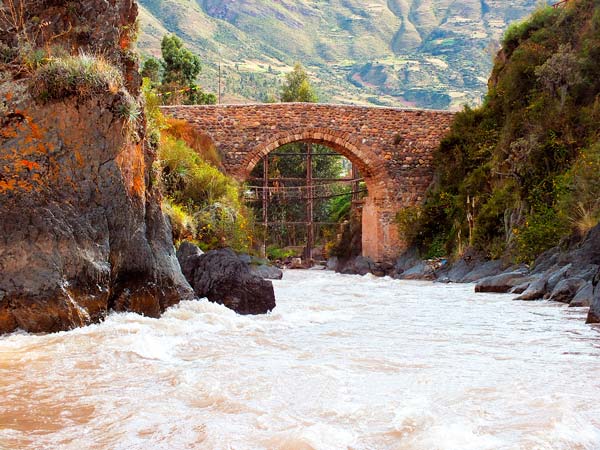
[{"x": 344, "y": 362}]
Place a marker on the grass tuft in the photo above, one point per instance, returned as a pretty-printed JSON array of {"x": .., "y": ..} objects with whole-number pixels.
[
  {"x": 583, "y": 219},
  {"x": 82, "y": 76},
  {"x": 129, "y": 111}
]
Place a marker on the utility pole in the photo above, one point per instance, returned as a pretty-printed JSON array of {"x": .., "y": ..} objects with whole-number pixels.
[{"x": 219, "y": 82}]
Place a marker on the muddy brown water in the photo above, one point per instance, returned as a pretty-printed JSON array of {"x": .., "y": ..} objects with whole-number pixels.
[{"x": 344, "y": 362}]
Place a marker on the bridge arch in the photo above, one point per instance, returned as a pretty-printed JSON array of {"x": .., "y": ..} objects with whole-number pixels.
[
  {"x": 339, "y": 142},
  {"x": 392, "y": 148}
]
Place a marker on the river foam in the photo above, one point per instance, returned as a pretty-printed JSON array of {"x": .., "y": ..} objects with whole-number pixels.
[{"x": 344, "y": 362}]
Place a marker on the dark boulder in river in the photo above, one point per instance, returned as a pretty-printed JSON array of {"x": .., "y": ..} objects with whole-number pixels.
[
  {"x": 222, "y": 277},
  {"x": 266, "y": 271},
  {"x": 261, "y": 267}
]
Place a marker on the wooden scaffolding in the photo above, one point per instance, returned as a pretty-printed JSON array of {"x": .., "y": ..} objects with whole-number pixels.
[{"x": 266, "y": 187}]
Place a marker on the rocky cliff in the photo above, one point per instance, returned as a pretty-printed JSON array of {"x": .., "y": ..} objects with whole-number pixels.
[{"x": 81, "y": 229}]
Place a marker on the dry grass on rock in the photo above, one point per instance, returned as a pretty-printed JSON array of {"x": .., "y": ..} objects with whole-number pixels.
[{"x": 82, "y": 76}]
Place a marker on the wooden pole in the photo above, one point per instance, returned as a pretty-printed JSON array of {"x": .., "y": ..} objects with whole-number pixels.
[
  {"x": 310, "y": 237},
  {"x": 355, "y": 184},
  {"x": 265, "y": 204}
]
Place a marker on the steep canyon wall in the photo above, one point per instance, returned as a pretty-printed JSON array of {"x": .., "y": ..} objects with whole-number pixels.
[{"x": 81, "y": 229}]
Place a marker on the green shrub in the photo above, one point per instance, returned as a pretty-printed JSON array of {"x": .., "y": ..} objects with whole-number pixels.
[
  {"x": 519, "y": 31},
  {"x": 409, "y": 221},
  {"x": 155, "y": 121},
  {"x": 201, "y": 143},
  {"x": 274, "y": 253},
  {"x": 437, "y": 248},
  {"x": 222, "y": 225},
  {"x": 578, "y": 191},
  {"x": 82, "y": 76},
  {"x": 182, "y": 223},
  {"x": 188, "y": 177},
  {"x": 209, "y": 197},
  {"x": 541, "y": 231},
  {"x": 493, "y": 226},
  {"x": 339, "y": 208}
]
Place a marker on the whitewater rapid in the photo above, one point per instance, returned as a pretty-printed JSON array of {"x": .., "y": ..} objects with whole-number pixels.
[{"x": 344, "y": 362}]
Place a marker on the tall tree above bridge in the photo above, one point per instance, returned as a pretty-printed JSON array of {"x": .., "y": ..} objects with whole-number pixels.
[
  {"x": 175, "y": 75},
  {"x": 297, "y": 87},
  {"x": 181, "y": 65}
]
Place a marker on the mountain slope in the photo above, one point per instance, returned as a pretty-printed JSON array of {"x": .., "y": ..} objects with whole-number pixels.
[{"x": 430, "y": 53}]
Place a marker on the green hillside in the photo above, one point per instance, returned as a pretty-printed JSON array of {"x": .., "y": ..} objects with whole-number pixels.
[{"x": 427, "y": 53}]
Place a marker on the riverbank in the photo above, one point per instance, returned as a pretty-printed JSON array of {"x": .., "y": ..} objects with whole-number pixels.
[{"x": 567, "y": 275}]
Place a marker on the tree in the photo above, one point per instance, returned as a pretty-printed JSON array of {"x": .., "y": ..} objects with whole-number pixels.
[
  {"x": 152, "y": 70},
  {"x": 175, "y": 75},
  {"x": 297, "y": 87},
  {"x": 181, "y": 65},
  {"x": 196, "y": 96},
  {"x": 560, "y": 73}
]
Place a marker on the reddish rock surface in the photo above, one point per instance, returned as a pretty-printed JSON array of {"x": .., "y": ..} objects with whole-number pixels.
[{"x": 81, "y": 230}]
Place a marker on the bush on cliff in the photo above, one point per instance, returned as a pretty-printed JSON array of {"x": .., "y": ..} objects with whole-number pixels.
[
  {"x": 203, "y": 204},
  {"x": 187, "y": 178},
  {"x": 519, "y": 174},
  {"x": 200, "y": 143}
]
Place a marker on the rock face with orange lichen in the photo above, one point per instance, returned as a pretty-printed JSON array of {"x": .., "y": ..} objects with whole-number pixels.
[{"x": 81, "y": 229}]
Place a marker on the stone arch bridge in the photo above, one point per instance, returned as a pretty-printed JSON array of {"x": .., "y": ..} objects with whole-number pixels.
[{"x": 392, "y": 148}]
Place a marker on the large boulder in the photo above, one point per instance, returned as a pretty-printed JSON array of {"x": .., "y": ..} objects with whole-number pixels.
[
  {"x": 456, "y": 272},
  {"x": 535, "y": 290},
  {"x": 261, "y": 267},
  {"x": 359, "y": 265},
  {"x": 546, "y": 261},
  {"x": 487, "y": 269},
  {"x": 420, "y": 271},
  {"x": 266, "y": 271},
  {"x": 333, "y": 263},
  {"x": 584, "y": 296},
  {"x": 363, "y": 265},
  {"x": 503, "y": 283},
  {"x": 407, "y": 260},
  {"x": 566, "y": 290},
  {"x": 222, "y": 277},
  {"x": 555, "y": 276}
]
